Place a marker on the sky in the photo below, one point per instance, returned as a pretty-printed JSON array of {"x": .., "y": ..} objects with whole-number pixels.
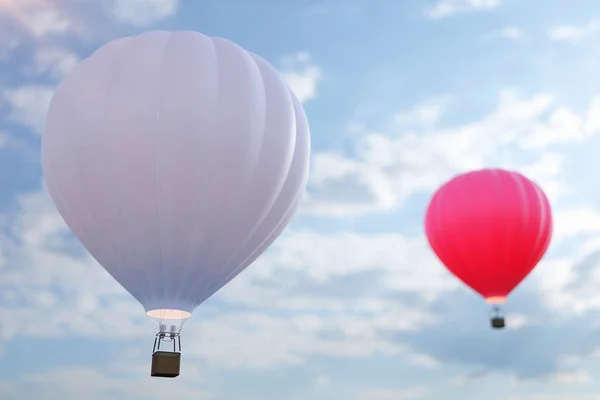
[{"x": 349, "y": 303}]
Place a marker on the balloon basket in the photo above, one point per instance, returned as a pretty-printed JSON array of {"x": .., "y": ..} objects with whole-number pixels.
[
  {"x": 166, "y": 364},
  {"x": 497, "y": 319},
  {"x": 498, "y": 322}
]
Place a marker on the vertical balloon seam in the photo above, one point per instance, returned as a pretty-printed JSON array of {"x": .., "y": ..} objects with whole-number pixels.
[
  {"x": 488, "y": 273},
  {"x": 523, "y": 207},
  {"x": 546, "y": 243},
  {"x": 113, "y": 69},
  {"x": 211, "y": 284},
  {"x": 288, "y": 214},
  {"x": 532, "y": 207},
  {"x": 217, "y": 79},
  {"x": 133, "y": 284},
  {"x": 532, "y": 257},
  {"x": 505, "y": 250},
  {"x": 446, "y": 232},
  {"x": 436, "y": 205},
  {"x": 287, "y": 173},
  {"x": 549, "y": 224},
  {"x": 189, "y": 291},
  {"x": 549, "y": 220},
  {"x": 479, "y": 273},
  {"x": 438, "y": 225},
  {"x": 464, "y": 190},
  {"x": 460, "y": 185},
  {"x": 247, "y": 261},
  {"x": 268, "y": 241},
  {"x": 247, "y": 186},
  {"x": 55, "y": 188},
  {"x": 110, "y": 246},
  {"x": 545, "y": 228},
  {"x": 158, "y": 134},
  {"x": 258, "y": 251},
  {"x": 156, "y": 267},
  {"x": 528, "y": 217}
]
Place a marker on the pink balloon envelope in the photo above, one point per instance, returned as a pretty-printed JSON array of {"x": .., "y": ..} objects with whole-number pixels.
[{"x": 489, "y": 228}]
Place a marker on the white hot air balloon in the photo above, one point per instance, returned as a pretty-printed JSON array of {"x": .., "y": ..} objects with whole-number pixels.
[{"x": 176, "y": 159}]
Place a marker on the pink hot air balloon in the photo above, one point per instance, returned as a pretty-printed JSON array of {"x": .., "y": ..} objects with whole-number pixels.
[{"x": 490, "y": 228}]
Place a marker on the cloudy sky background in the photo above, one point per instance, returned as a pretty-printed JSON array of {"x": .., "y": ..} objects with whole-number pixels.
[{"x": 349, "y": 303}]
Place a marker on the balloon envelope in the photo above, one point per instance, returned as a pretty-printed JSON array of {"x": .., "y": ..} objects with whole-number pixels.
[
  {"x": 489, "y": 228},
  {"x": 176, "y": 159}
]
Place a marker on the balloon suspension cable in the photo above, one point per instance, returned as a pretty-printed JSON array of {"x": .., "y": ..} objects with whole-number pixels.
[
  {"x": 497, "y": 320},
  {"x": 181, "y": 320},
  {"x": 172, "y": 335}
]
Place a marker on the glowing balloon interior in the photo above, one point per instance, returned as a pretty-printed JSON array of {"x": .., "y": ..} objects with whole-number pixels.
[
  {"x": 176, "y": 159},
  {"x": 490, "y": 228}
]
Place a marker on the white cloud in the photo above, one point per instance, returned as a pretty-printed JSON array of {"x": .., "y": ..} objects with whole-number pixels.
[
  {"x": 464, "y": 379},
  {"x": 386, "y": 394},
  {"x": 56, "y": 62},
  {"x": 508, "y": 32},
  {"x": 574, "y": 377},
  {"x": 447, "y": 8},
  {"x": 4, "y": 139},
  {"x": 341, "y": 186},
  {"x": 569, "y": 283},
  {"x": 388, "y": 168},
  {"x": 250, "y": 340},
  {"x": 301, "y": 75},
  {"x": 88, "y": 383},
  {"x": 7, "y": 44},
  {"x": 424, "y": 116},
  {"x": 322, "y": 381},
  {"x": 39, "y": 18},
  {"x": 141, "y": 13},
  {"x": 547, "y": 171},
  {"x": 48, "y": 21},
  {"x": 511, "y": 32},
  {"x": 561, "y": 126},
  {"x": 29, "y": 105},
  {"x": 592, "y": 117},
  {"x": 576, "y": 220},
  {"x": 574, "y": 33}
]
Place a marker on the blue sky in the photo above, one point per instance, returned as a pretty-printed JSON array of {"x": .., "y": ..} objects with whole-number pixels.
[{"x": 349, "y": 303}]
